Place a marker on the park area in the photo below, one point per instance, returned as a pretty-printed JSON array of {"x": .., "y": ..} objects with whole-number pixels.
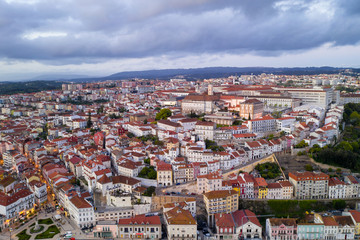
[{"x": 43, "y": 229}]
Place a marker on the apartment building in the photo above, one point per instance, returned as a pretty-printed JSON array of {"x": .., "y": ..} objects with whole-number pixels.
[
  {"x": 281, "y": 229},
  {"x": 287, "y": 189},
  {"x": 169, "y": 125},
  {"x": 81, "y": 212},
  {"x": 164, "y": 174},
  {"x": 220, "y": 201},
  {"x": 310, "y": 185},
  {"x": 180, "y": 224},
  {"x": 248, "y": 109},
  {"x": 337, "y": 188},
  {"x": 205, "y": 130},
  {"x": 12, "y": 205},
  {"x": 261, "y": 125},
  {"x": 140, "y": 227},
  {"x": 209, "y": 182}
]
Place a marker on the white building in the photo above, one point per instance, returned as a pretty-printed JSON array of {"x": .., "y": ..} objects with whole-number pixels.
[
  {"x": 180, "y": 224},
  {"x": 19, "y": 202},
  {"x": 81, "y": 212},
  {"x": 140, "y": 226},
  {"x": 205, "y": 130},
  {"x": 261, "y": 125}
]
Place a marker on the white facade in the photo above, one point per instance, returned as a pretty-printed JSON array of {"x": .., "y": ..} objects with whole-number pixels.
[{"x": 81, "y": 212}]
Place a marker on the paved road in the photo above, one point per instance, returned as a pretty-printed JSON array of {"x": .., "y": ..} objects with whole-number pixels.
[{"x": 65, "y": 226}]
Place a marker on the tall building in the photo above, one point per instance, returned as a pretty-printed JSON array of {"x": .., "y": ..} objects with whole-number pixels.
[
  {"x": 220, "y": 201},
  {"x": 316, "y": 96},
  {"x": 310, "y": 185}
]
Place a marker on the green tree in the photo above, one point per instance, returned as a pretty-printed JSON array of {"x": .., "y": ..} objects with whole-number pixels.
[
  {"x": 355, "y": 118},
  {"x": 163, "y": 114},
  {"x": 89, "y": 122},
  {"x": 237, "y": 122},
  {"x": 130, "y": 135},
  {"x": 270, "y": 137},
  {"x": 122, "y": 109},
  {"x": 309, "y": 168},
  {"x": 149, "y": 191},
  {"x": 301, "y": 144},
  {"x": 339, "y": 204},
  {"x": 100, "y": 109},
  {"x": 345, "y": 146}
]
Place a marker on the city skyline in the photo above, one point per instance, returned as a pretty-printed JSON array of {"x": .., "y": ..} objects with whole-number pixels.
[{"x": 95, "y": 39}]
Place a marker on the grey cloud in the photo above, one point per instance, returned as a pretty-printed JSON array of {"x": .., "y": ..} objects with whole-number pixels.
[{"x": 97, "y": 30}]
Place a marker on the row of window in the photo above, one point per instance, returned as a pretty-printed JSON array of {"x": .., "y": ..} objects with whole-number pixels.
[{"x": 139, "y": 229}]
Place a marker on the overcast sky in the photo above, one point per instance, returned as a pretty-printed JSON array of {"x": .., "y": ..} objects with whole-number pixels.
[{"x": 95, "y": 37}]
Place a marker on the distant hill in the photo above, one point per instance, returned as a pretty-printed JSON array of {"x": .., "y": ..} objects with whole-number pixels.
[
  {"x": 54, "y": 82},
  {"x": 212, "y": 72},
  {"x": 8, "y": 88}
]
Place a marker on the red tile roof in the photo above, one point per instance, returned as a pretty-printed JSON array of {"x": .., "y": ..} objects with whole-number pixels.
[
  {"x": 80, "y": 202},
  {"x": 140, "y": 220}
]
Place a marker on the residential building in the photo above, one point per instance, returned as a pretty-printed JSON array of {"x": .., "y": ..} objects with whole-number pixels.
[
  {"x": 225, "y": 226},
  {"x": 248, "y": 109},
  {"x": 281, "y": 229},
  {"x": 180, "y": 224},
  {"x": 261, "y": 125},
  {"x": 274, "y": 191},
  {"x": 337, "y": 188},
  {"x": 205, "y": 130},
  {"x": 287, "y": 189},
  {"x": 346, "y": 227},
  {"x": 17, "y": 203},
  {"x": 220, "y": 201},
  {"x": 209, "y": 182},
  {"x": 81, "y": 212},
  {"x": 106, "y": 229},
  {"x": 164, "y": 174},
  {"x": 355, "y": 216},
  {"x": 330, "y": 226},
  {"x": 140, "y": 227},
  {"x": 310, "y": 185}
]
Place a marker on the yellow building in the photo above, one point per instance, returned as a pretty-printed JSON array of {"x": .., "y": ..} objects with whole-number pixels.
[
  {"x": 220, "y": 201},
  {"x": 263, "y": 192},
  {"x": 262, "y": 186}
]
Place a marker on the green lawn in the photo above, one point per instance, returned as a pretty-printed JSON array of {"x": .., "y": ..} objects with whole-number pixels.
[
  {"x": 23, "y": 236},
  {"x": 49, "y": 233},
  {"x": 46, "y": 221}
]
